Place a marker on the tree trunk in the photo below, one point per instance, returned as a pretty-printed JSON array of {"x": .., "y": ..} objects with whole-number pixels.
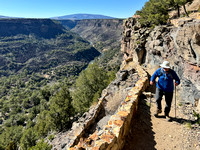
[
  {"x": 178, "y": 9},
  {"x": 185, "y": 10}
]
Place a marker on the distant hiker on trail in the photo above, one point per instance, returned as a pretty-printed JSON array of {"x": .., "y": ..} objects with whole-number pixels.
[{"x": 165, "y": 86}]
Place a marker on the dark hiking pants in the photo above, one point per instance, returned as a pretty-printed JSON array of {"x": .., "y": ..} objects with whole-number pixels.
[{"x": 168, "y": 100}]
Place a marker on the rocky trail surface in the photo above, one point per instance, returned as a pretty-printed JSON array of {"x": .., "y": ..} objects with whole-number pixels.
[{"x": 151, "y": 133}]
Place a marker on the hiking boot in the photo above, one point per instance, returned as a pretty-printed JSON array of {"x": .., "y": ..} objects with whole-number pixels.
[
  {"x": 168, "y": 118},
  {"x": 158, "y": 111}
]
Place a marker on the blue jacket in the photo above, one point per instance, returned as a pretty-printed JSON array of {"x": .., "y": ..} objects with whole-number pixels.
[{"x": 165, "y": 81}]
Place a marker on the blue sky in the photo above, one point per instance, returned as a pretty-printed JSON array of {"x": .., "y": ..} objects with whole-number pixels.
[{"x": 53, "y": 8}]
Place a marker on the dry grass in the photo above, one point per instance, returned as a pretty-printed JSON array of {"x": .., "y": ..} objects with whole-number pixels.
[{"x": 114, "y": 101}]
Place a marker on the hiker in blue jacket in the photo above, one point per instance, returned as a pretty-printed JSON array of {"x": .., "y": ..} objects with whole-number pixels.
[{"x": 165, "y": 86}]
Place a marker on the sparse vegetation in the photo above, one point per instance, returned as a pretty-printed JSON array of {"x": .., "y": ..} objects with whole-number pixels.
[
  {"x": 35, "y": 73},
  {"x": 197, "y": 115},
  {"x": 188, "y": 125},
  {"x": 88, "y": 87},
  {"x": 38, "y": 79},
  {"x": 33, "y": 103},
  {"x": 155, "y": 12},
  {"x": 41, "y": 145}
]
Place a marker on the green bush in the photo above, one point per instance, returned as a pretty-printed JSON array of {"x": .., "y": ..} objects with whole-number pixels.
[
  {"x": 10, "y": 135},
  {"x": 28, "y": 139},
  {"x": 197, "y": 115},
  {"x": 42, "y": 126},
  {"x": 88, "y": 87},
  {"x": 61, "y": 110},
  {"x": 11, "y": 146},
  {"x": 154, "y": 12},
  {"x": 51, "y": 137},
  {"x": 41, "y": 146}
]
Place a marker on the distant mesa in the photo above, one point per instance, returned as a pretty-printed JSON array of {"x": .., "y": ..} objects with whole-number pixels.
[
  {"x": 71, "y": 17},
  {"x": 82, "y": 16},
  {"x": 45, "y": 28},
  {"x": 5, "y": 16}
]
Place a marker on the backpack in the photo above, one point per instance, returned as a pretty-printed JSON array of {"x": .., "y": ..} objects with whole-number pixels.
[{"x": 161, "y": 73}]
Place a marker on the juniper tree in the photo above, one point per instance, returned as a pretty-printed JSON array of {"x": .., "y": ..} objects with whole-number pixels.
[
  {"x": 61, "y": 109},
  {"x": 179, "y": 3},
  {"x": 154, "y": 12},
  {"x": 88, "y": 87}
]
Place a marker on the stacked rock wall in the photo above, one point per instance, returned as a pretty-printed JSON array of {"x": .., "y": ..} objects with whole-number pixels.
[{"x": 116, "y": 129}]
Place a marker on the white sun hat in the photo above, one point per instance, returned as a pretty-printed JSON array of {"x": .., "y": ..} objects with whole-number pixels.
[{"x": 165, "y": 64}]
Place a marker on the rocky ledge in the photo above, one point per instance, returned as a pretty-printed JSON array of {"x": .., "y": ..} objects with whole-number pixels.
[{"x": 179, "y": 45}]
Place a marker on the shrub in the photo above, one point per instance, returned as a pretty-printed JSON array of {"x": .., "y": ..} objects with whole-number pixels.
[
  {"x": 41, "y": 146},
  {"x": 88, "y": 87},
  {"x": 197, "y": 115}
]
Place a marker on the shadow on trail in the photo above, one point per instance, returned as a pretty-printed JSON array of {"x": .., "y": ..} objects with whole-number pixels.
[
  {"x": 182, "y": 121},
  {"x": 141, "y": 136},
  {"x": 161, "y": 116}
]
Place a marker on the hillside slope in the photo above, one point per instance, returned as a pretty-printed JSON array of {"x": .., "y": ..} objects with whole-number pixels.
[
  {"x": 100, "y": 31},
  {"x": 39, "y": 44},
  {"x": 37, "y": 58},
  {"x": 104, "y": 34},
  {"x": 44, "y": 28}
]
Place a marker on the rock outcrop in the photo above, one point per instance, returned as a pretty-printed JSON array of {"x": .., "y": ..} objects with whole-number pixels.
[{"x": 179, "y": 45}]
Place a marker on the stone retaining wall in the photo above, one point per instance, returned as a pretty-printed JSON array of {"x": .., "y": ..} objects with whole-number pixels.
[{"x": 113, "y": 135}]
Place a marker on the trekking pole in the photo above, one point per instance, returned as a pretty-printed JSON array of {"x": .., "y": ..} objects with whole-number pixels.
[
  {"x": 150, "y": 99},
  {"x": 175, "y": 101}
]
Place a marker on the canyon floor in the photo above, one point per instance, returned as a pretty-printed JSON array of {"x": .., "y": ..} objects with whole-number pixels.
[{"x": 151, "y": 133}]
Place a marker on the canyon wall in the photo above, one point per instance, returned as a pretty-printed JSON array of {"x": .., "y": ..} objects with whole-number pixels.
[
  {"x": 45, "y": 28},
  {"x": 179, "y": 45}
]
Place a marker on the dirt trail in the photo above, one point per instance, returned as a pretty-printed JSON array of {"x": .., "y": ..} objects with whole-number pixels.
[{"x": 151, "y": 133}]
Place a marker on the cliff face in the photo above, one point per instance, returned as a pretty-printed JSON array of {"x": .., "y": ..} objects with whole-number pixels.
[
  {"x": 95, "y": 30},
  {"x": 179, "y": 45},
  {"x": 100, "y": 32},
  {"x": 104, "y": 34},
  {"x": 108, "y": 28},
  {"x": 45, "y": 28}
]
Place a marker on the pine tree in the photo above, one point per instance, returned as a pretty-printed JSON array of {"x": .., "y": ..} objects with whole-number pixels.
[
  {"x": 28, "y": 139},
  {"x": 61, "y": 110},
  {"x": 11, "y": 135},
  {"x": 88, "y": 87},
  {"x": 154, "y": 12},
  {"x": 43, "y": 125},
  {"x": 179, "y": 3},
  {"x": 41, "y": 146}
]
